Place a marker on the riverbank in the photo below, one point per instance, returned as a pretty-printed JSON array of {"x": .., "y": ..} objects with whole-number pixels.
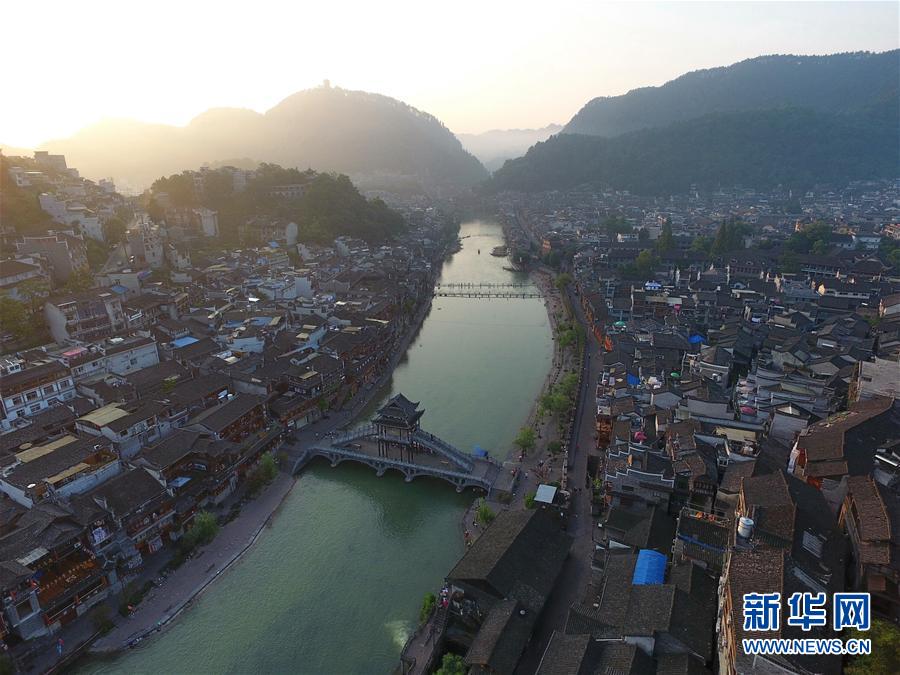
[
  {"x": 165, "y": 603},
  {"x": 537, "y": 466}
]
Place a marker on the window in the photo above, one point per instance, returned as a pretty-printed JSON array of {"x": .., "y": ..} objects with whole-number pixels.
[
  {"x": 17, "y": 400},
  {"x": 35, "y": 407},
  {"x": 48, "y": 390},
  {"x": 31, "y": 395}
]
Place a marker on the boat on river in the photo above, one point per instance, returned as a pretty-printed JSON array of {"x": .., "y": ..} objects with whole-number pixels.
[{"x": 500, "y": 251}]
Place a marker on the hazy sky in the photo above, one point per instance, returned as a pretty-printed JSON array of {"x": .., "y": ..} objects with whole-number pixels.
[{"x": 475, "y": 65}]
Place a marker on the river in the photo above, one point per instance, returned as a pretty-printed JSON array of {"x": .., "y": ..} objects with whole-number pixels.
[{"x": 335, "y": 585}]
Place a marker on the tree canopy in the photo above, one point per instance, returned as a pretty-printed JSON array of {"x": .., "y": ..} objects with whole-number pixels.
[{"x": 330, "y": 205}]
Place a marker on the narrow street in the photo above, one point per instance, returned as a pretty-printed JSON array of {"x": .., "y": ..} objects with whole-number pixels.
[{"x": 576, "y": 573}]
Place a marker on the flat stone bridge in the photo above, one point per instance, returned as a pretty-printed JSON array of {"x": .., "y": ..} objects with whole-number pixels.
[
  {"x": 423, "y": 454},
  {"x": 487, "y": 290}
]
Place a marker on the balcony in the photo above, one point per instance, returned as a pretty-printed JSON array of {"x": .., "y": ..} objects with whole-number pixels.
[{"x": 61, "y": 578}]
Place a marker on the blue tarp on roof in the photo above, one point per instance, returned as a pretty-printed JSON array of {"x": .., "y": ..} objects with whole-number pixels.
[
  {"x": 632, "y": 380},
  {"x": 118, "y": 288},
  {"x": 696, "y": 339},
  {"x": 649, "y": 569},
  {"x": 479, "y": 451},
  {"x": 184, "y": 341}
]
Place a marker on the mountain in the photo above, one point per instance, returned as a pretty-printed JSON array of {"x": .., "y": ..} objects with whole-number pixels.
[
  {"x": 791, "y": 120},
  {"x": 496, "y": 146},
  {"x": 835, "y": 83},
  {"x": 761, "y": 149},
  {"x": 372, "y": 138}
]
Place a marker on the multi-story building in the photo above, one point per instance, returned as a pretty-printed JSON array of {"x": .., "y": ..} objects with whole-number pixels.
[
  {"x": 14, "y": 273},
  {"x": 66, "y": 253},
  {"x": 128, "y": 428},
  {"x": 869, "y": 515},
  {"x": 27, "y": 388},
  {"x": 86, "y": 316}
]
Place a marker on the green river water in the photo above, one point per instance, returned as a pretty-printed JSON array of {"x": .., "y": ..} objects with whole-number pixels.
[{"x": 335, "y": 584}]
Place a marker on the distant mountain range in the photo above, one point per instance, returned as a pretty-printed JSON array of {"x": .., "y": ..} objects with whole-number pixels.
[
  {"x": 792, "y": 120},
  {"x": 375, "y": 139},
  {"x": 496, "y": 146}
]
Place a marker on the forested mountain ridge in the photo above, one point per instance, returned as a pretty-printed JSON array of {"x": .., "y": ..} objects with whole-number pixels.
[
  {"x": 760, "y": 149},
  {"x": 836, "y": 83},
  {"x": 367, "y": 136}
]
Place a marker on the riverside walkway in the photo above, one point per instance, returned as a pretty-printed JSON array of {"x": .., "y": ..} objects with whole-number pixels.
[{"x": 422, "y": 454}]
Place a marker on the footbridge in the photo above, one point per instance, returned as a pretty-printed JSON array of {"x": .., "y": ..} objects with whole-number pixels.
[
  {"x": 419, "y": 454},
  {"x": 486, "y": 290}
]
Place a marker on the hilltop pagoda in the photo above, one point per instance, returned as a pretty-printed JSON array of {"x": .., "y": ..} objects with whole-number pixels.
[{"x": 396, "y": 422}]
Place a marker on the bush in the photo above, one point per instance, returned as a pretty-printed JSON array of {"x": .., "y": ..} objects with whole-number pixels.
[
  {"x": 485, "y": 514},
  {"x": 451, "y": 664},
  {"x": 6, "y": 665},
  {"x": 554, "y": 447},
  {"x": 529, "y": 500},
  {"x": 428, "y": 604}
]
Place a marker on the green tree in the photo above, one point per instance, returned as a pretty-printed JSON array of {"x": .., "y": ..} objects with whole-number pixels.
[
  {"x": 788, "y": 262},
  {"x": 666, "y": 241},
  {"x": 885, "y": 656},
  {"x": 729, "y": 237},
  {"x": 525, "y": 439},
  {"x": 645, "y": 263},
  {"x": 452, "y": 664},
  {"x": 615, "y": 226},
  {"x": 13, "y": 318},
  {"x": 820, "y": 247},
  {"x": 80, "y": 280},
  {"x": 204, "y": 529},
  {"x": 97, "y": 253},
  {"x": 563, "y": 280},
  {"x": 568, "y": 385},
  {"x": 33, "y": 292},
  {"x": 114, "y": 230},
  {"x": 702, "y": 244},
  {"x": 643, "y": 235}
]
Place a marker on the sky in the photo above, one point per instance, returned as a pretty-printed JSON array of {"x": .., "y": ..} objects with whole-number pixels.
[{"x": 475, "y": 65}]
